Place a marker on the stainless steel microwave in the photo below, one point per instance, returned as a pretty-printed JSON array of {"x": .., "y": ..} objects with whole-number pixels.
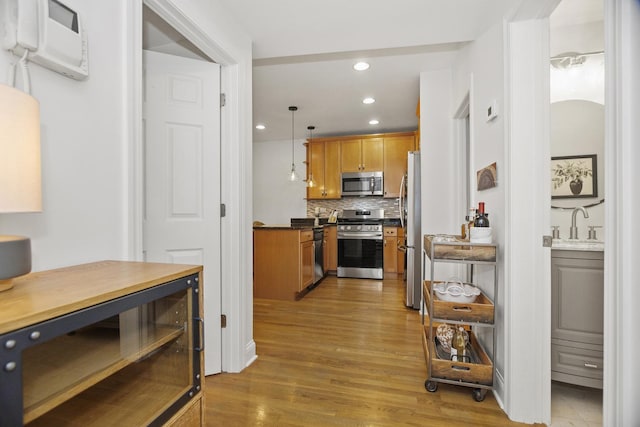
[{"x": 362, "y": 184}]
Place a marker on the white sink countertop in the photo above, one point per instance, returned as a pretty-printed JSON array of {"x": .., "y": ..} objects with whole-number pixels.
[{"x": 578, "y": 245}]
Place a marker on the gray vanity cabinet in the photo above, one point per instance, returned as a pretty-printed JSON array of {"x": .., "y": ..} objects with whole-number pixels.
[{"x": 577, "y": 289}]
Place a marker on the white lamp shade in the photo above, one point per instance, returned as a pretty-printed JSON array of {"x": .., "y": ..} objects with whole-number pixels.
[{"x": 20, "y": 177}]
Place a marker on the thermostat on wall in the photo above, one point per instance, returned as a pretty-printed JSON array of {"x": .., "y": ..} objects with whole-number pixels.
[
  {"x": 51, "y": 31},
  {"x": 492, "y": 110}
]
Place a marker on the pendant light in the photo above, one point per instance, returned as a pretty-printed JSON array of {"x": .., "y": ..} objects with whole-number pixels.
[
  {"x": 292, "y": 174},
  {"x": 310, "y": 182}
]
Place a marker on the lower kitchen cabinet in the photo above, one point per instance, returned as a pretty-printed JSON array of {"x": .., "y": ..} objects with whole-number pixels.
[
  {"x": 102, "y": 344},
  {"x": 330, "y": 249},
  {"x": 283, "y": 262},
  {"x": 577, "y": 325},
  {"x": 393, "y": 257},
  {"x": 390, "y": 249}
]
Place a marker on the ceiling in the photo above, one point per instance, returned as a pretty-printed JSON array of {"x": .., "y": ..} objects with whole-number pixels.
[{"x": 304, "y": 52}]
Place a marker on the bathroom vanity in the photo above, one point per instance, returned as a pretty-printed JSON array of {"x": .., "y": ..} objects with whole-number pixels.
[{"x": 577, "y": 289}]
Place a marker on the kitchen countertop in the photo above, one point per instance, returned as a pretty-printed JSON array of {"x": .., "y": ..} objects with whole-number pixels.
[
  {"x": 307, "y": 224},
  {"x": 282, "y": 227}
]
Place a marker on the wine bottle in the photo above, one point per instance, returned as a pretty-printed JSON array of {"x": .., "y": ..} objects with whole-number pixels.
[
  {"x": 481, "y": 219},
  {"x": 458, "y": 345}
]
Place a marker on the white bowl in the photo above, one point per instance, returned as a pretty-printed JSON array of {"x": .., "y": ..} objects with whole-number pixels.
[{"x": 456, "y": 291}]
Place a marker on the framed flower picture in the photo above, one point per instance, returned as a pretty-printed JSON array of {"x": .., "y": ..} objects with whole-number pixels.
[{"x": 574, "y": 176}]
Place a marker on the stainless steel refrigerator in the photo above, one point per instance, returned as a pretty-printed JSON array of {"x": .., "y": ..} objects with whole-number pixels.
[{"x": 410, "y": 215}]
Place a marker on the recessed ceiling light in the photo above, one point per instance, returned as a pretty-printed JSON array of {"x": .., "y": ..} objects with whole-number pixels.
[
  {"x": 260, "y": 127},
  {"x": 373, "y": 122},
  {"x": 368, "y": 100},
  {"x": 361, "y": 66}
]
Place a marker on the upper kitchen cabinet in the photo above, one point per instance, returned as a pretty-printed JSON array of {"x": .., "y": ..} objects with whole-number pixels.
[
  {"x": 328, "y": 157},
  {"x": 362, "y": 154},
  {"x": 323, "y": 169},
  {"x": 396, "y": 147}
]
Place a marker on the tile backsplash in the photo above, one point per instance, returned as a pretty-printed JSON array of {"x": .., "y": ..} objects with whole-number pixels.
[{"x": 390, "y": 206}]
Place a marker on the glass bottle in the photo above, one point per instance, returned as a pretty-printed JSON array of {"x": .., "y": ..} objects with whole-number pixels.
[
  {"x": 459, "y": 345},
  {"x": 470, "y": 220},
  {"x": 481, "y": 219}
]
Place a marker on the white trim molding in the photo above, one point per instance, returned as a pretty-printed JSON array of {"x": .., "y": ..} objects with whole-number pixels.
[
  {"x": 622, "y": 270},
  {"x": 527, "y": 218}
]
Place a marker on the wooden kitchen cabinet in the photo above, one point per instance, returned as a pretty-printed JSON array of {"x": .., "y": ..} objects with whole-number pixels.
[
  {"x": 328, "y": 157},
  {"x": 390, "y": 250},
  {"x": 577, "y": 317},
  {"x": 393, "y": 257},
  {"x": 323, "y": 169},
  {"x": 283, "y": 261},
  {"x": 362, "y": 154},
  {"x": 102, "y": 344},
  {"x": 396, "y": 148},
  {"x": 330, "y": 249}
]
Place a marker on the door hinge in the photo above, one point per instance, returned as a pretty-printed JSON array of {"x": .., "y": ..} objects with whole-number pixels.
[
  {"x": 223, "y": 210},
  {"x": 547, "y": 241},
  {"x": 223, "y": 320},
  {"x": 223, "y": 99}
]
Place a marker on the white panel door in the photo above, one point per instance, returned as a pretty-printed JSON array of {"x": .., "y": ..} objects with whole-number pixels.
[{"x": 182, "y": 176}]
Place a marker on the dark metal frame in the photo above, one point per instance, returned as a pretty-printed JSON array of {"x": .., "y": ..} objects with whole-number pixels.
[{"x": 14, "y": 343}]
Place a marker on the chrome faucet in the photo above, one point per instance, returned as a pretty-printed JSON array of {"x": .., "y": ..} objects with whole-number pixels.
[{"x": 573, "y": 231}]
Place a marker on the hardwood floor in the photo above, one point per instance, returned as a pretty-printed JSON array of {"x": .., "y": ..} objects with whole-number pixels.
[{"x": 348, "y": 354}]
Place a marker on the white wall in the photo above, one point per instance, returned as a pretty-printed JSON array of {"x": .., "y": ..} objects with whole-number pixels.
[
  {"x": 84, "y": 173},
  {"x": 621, "y": 370},
  {"x": 87, "y": 139},
  {"x": 480, "y": 73},
  {"x": 439, "y": 173},
  {"x": 276, "y": 199},
  {"x": 437, "y": 153}
]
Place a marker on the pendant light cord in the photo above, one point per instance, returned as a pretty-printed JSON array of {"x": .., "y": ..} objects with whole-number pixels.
[
  {"x": 292, "y": 149},
  {"x": 292, "y": 177}
]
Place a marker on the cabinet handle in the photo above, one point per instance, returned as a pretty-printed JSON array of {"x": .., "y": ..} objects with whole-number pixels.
[
  {"x": 200, "y": 334},
  {"x": 465, "y": 308},
  {"x": 590, "y": 365},
  {"x": 460, "y": 368}
]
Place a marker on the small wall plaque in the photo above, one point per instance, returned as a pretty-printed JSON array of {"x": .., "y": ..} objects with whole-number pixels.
[{"x": 487, "y": 177}]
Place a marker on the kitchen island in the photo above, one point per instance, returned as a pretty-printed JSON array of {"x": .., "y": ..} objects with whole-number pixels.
[{"x": 283, "y": 261}]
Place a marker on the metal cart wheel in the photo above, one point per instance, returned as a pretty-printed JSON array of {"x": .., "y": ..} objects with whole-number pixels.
[
  {"x": 431, "y": 386},
  {"x": 479, "y": 394}
]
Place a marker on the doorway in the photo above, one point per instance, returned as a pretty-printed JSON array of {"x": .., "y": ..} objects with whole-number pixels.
[
  {"x": 577, "y": 127},
  {"x": 181, "y": 150}
]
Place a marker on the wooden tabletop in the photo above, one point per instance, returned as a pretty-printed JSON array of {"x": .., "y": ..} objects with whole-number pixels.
[{"x": 43, "y": 295}]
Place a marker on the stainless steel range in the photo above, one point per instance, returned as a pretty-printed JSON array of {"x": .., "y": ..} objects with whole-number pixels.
[{"x": 360, "y": 243}]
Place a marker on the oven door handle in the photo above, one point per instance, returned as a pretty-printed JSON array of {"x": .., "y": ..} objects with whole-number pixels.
[{"x": 360, "y": 235}]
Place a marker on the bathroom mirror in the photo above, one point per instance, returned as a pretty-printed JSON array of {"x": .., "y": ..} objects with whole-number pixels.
[{"x": 577, "y": 128}]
